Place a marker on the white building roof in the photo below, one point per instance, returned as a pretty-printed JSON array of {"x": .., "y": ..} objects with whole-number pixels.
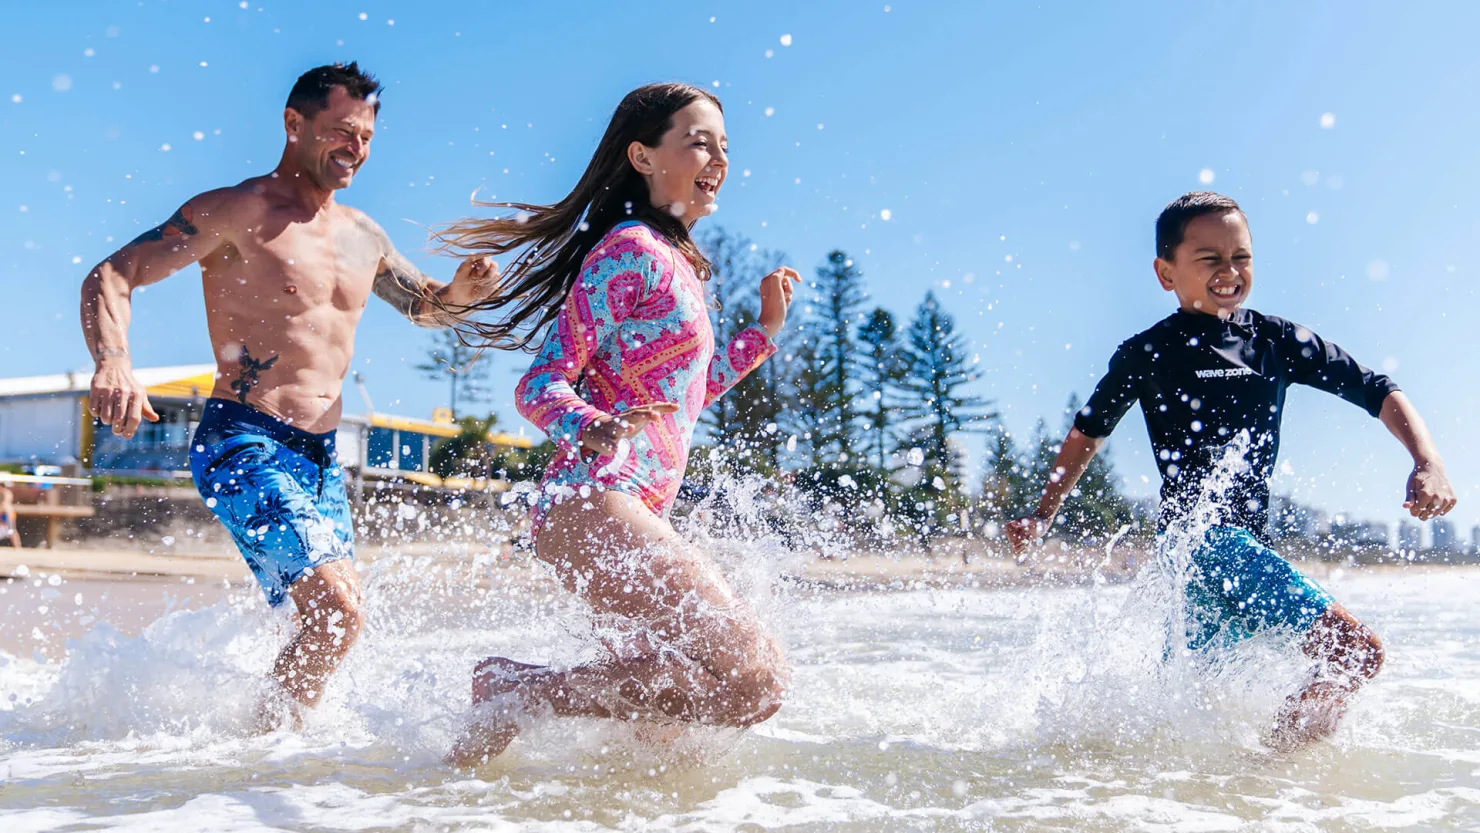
[{"x": 79, "y": 381}]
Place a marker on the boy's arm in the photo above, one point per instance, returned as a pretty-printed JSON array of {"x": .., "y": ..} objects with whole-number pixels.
[
  {"x": 1074, "y": 457},
  {"x": 192, "y": 232},
  {"x": 1429, "y": 493},
  {"x": 1113, "y": 396},
  {"x": 1324, "y": 365}
]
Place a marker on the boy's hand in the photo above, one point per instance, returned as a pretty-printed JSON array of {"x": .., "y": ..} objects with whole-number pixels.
[
  {"x": 1429, "y": 492},
  {"x": 1026, "y": 532}
]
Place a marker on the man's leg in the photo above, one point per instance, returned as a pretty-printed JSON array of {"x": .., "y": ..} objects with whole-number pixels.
[
  {"x": 1349, "y": 654},
  {"x": 330, "y": 618}
]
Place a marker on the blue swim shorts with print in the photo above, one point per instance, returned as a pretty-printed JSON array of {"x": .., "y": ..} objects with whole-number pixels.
[
  {"x": 278, "y": 490},
  {"x": 1239, "y": 587}
]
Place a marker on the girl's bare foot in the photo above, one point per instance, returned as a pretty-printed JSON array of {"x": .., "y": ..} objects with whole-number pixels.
[{"x": 489, "y": 734}]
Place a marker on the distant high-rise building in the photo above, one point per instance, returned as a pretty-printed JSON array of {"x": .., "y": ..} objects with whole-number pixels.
[
  {"x": 1442, "y": 536},
  {"x": 1410, "y": 536},
  {"x": 1475, "y": 538}
]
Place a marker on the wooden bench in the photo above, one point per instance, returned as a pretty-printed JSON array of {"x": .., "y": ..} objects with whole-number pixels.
[{"x": 40, "y": 496}]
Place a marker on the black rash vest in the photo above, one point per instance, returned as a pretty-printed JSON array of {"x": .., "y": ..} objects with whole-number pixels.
[{"x": 1201, "y": 380}]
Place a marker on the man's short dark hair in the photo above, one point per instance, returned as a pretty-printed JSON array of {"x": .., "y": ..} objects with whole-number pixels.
[
  {"x": 1171, "y": 226},
  {"x": 310, "y": 94}
]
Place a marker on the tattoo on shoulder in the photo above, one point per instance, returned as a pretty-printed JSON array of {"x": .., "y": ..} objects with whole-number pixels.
[
  {"x": 250, "y": 374},
  {"x": 397, "y": 281},
  {"x": 179, "y": 226},
  {"x": 401, "y": 286}
]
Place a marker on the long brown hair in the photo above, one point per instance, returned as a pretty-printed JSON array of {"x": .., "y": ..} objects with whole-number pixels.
[{"x": 559, "y": 236}]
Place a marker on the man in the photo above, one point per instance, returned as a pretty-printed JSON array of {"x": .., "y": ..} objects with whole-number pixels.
[
  {"x": 1211, "y": 378},
  {"x": 287, "y": 272}
]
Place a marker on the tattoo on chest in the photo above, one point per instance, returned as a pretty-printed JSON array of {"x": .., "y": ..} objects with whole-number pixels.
[
  {"x": 250, "y": 377},
  {"x": 180, "y": 225}
]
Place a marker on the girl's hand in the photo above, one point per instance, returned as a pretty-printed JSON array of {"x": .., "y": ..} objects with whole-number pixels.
[
  {"x": 604, "y": 435},
  {"x": 776, "y": 289}
]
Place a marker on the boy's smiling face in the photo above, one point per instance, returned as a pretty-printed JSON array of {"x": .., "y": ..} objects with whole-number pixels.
[{"x": 1212, "y": 270}]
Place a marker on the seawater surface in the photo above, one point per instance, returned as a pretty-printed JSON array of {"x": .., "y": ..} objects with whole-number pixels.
[{"x": 1042, "y": 708}]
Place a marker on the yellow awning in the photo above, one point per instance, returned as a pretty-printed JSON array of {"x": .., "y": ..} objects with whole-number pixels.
[
  {"x": 511, "y": 440},
  {"x": 187, "y": 388},
  {"x": 439, "y": 429},
  {"x": 423, "y": 478},
  {"x": 419, "y": 426}
]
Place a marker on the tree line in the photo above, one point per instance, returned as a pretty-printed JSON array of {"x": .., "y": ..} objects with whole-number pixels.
[{"x": 855, "y": 411}]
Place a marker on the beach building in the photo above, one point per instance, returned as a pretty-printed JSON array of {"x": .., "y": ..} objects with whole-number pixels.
[
  {"x": 1359, "y": 533},
  {"x": 1410, "y": 536},
  {"x": 44, "y": 422},
  {"x": 1442, "y": 536}
]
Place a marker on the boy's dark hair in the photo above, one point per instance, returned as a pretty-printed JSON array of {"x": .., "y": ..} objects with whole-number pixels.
[
  {"x": 1172, "y": 223},
  {"x": 310, "y": 94}
]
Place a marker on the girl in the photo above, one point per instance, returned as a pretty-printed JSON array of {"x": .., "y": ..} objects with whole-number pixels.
[{"x": 628, "y": 363}]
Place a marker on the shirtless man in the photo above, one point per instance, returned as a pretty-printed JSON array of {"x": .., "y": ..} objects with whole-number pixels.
[{"x": 287, "y": 272}]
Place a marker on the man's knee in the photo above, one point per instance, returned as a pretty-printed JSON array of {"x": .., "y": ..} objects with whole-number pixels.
[{"x": 330, "y": 600}]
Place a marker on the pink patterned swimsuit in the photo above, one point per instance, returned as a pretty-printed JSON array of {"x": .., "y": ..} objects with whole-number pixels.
[{"x": 634, "y": 330}]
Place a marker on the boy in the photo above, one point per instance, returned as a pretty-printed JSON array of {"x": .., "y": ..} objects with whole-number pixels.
[{"x": 1206, "y": 374}]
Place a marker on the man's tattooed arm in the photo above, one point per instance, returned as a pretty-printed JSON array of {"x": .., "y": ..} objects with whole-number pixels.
[
  {"x": 192, "y": 232},
  {"x": 178, "y": 229},
  {"x": 403, "y": 286}
]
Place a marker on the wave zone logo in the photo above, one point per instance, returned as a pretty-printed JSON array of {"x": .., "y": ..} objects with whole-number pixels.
[{"x": 1224, "y": 372}]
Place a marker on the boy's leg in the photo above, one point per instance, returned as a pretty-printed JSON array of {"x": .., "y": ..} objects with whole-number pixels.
[
  {"x": 1256, "y": 589},
  {"x": 1349, "y": 654}
]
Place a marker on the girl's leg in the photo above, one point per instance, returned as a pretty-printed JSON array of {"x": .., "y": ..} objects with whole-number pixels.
[{"x": 714, "y": 664}]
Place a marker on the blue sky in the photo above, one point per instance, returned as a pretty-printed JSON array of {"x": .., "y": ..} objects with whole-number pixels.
[{"x": 1021, "y": 150}]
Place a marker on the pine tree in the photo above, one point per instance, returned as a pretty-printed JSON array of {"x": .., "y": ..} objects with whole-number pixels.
[
  {"x": 1096, "y": 507},
  {"x": 1008, "y": 492},
  {"x": 1038, "y": 459},
  {"x": 880, "y": 370},
  {"x": 731, "y": 257},
  {"x": 804, "y": 412},
  {"x": 839, "y": 297},
  {"x": 745, "y": 421},
  {"x": 932, "y": 395},
  {"x": 450, "y": 359}
]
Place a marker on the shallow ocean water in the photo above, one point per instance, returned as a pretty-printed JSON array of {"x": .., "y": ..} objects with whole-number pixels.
[{"x": 961, "y": 709}]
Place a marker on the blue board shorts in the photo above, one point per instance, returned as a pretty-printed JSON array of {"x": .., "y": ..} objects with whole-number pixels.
[
  {"x": 279, "y": 490},
  {"x": 1239, "y": 586}
]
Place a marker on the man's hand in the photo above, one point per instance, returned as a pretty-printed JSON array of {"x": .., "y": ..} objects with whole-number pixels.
[
  {"x": 1429, "y": 493},
  {"x": 476, "y": 279},
  {"x": 776, "y": 289},
  {"x": 1026, "y": 532},
  {"x": 117, "y": 399},
  {"x": 603, "y": 436}
]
